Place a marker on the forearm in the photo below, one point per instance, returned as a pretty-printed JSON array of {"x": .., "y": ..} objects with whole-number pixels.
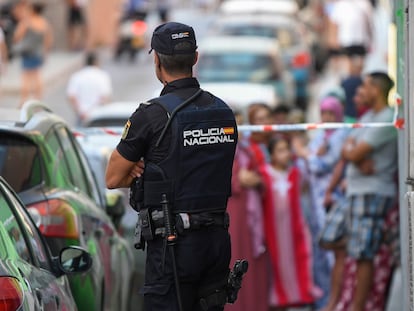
[
  {"x": 336, "y": 175},
  {"x": 120, "y": 172}
]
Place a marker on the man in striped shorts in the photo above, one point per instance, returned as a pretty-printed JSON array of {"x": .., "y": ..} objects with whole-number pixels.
[{"x": 371, "y": 182}]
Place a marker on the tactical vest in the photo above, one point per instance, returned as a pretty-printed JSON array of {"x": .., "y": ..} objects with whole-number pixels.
[{"x": 196, "y": 173}]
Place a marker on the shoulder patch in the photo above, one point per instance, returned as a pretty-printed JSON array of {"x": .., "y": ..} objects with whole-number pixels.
[{"x": 126, "y": 129}]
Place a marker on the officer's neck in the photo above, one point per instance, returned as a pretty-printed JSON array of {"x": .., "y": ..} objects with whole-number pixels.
[{"x": 167, "y": 78}]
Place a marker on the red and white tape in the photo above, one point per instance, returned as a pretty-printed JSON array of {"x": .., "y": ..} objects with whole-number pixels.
[{"x": 397, "y": 123}]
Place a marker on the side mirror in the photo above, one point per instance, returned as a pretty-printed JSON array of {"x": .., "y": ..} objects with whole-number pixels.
[{"x": 74, "y": 259}]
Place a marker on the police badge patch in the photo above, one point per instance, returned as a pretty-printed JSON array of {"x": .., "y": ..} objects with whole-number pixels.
[{"x": 126, "y": 129}]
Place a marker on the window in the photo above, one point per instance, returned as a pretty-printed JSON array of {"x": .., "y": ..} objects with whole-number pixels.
[
  {"x": 72, "y": 160},
  {"x": 242, "y": 67},
  {"x": 11, "y": 225},
  {"x": 19, "y": 162},
  {"x": 38, "y": 249},
  {"x": 61, "y": 175}
]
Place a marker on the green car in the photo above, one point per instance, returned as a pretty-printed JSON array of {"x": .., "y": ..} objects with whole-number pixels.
[
  {"x": 30, "y": 278},
  {"x": 42, "y": 161}
]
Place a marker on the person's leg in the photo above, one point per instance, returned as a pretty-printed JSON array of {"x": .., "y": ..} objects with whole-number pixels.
[
  {"x": 367, "y": 223},
  {"x": 364, "y": 280},
  {"x": 37, "y": 84},
  {"x": 336, "y": 279},
  {"x": 333, "y": 237},
  {"x": 26, "y": 86}
]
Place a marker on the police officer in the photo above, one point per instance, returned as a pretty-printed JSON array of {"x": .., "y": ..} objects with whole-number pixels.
[{"x": 187, "y": 139}]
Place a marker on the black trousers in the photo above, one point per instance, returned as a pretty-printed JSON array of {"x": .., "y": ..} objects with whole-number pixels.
[{"x": 202, "y": 259}]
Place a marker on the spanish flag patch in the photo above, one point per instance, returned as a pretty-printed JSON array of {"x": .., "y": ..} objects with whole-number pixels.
[{"x": 228, "y": 130}]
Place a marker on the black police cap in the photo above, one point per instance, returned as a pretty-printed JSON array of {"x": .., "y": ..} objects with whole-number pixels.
[{"x": 168, "y": 35}]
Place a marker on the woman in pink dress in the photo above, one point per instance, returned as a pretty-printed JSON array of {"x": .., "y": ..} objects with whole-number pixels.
[
  {"x": 246, "y": 219},
  {"x": 287, "y": 236}
]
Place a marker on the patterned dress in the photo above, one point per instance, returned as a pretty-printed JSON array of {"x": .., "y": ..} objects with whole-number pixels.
[{"x": 287, "y": 240}]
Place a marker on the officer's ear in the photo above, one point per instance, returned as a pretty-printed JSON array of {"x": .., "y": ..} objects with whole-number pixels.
[
  {"x": 157, "y": 60},
  {"x": 195, "y": 58}
]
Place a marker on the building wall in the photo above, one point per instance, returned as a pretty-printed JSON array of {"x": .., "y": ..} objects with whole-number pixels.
[{"x": 56, "y": 13}]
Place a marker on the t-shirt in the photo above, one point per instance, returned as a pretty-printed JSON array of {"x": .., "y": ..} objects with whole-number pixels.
[
  {"x": 89, "y": 85},
  {"x": 383, "y": 140},
  {"x": 354, "y": 21}
]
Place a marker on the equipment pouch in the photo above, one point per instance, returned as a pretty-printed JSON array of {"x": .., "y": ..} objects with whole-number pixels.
[
  {"x": 139, "y": 242},
  {"x": 136, "y": 194},
  {"x": 147, "y": 227}
]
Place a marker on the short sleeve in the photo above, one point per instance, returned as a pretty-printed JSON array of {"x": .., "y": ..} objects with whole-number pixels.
[
  {"x": 377, "y": 137},
  {"x": 136, "y": 136}
]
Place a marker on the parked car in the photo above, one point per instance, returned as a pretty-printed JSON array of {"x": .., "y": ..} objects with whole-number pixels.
[
  {"x": 30, "y": 278},
  {"x": 101, "y": 133},
  {"x": 292, "y": 37},
  {"x": 113, "y": 114},
  {"x": 43, "y": 162},
  {"x": 239, "y": 95},
  {"x": 245, "y": 59}
]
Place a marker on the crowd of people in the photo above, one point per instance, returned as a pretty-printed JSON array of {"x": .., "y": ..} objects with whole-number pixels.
[
  {"x": 311, "y": 212},
  {"x": 346, "y": 181},
  {"x": 316, "y": 213}
]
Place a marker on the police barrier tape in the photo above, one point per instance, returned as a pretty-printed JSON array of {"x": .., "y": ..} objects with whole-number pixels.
[{"x": 397, "y": 123}]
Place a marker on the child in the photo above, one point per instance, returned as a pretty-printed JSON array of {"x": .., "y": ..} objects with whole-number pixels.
[{"x": 287, "y": 237}]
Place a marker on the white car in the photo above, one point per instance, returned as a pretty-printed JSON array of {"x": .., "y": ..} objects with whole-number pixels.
[
  {"x": 291, "y": 35},
  {"x": 224, "y": 59},
  {"x": 112, "y": 114},
  {"x": 240, "y": 95},
  {"x": 273, "y": 7}
]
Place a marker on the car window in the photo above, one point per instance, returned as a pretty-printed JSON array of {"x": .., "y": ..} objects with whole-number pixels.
[
  {"x": 241, "y": 67},
  {"x": 39, "y": 251},
  {"x": 58, "y": 161},
  {"x": 13, "y": 229},
  {"x": 91, "y": 178},
  {"x": 75, "y": 169},
  {"x": 107, "y": 122},
  {"x": 19, "y": 162},
  {"x": 249, "y": 30}
]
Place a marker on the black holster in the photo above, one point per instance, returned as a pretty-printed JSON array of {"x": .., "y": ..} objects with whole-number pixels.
[{"x": 136, "y": 194}]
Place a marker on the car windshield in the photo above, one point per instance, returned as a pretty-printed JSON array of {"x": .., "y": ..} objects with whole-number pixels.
[
  {"x": 238, "y": 67},
  {"x": 19, "y": 162},
  {"x": 249, "y": 30},
  {"x": 107, "y": 122},
  {"x": 285, "y": 36}
]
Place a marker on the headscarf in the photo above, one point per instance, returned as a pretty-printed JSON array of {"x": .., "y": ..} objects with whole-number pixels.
[{"x": 333, "y": 104}]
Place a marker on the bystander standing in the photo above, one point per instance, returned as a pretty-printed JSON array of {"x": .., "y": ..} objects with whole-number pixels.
[
  {"x": 76, "y": 24},
  {"x": 370, "y": 196},
  {"x": 89, "y": 88},
  {"x": 32, "y": 40}
]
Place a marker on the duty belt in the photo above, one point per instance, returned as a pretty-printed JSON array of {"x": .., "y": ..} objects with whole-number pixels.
[{"x": 186, "y": 221}]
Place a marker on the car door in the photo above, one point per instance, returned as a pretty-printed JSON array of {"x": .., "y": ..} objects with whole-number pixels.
[
  {"x": 99, "y": 223},
  {"x": 51, "y": 292}
]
